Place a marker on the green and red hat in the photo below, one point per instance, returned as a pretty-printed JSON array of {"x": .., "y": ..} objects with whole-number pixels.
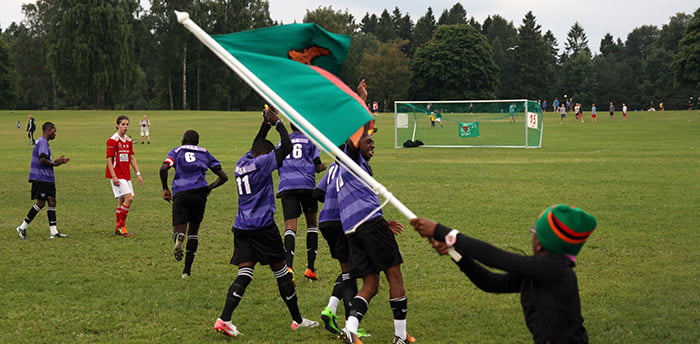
[{"x": 562, "y": 229}]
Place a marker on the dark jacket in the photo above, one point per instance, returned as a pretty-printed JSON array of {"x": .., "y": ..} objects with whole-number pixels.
[{"x": 547, "y": 285}]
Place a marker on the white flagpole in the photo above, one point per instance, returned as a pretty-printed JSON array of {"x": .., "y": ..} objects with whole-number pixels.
[{"x": 269, "y": 95}]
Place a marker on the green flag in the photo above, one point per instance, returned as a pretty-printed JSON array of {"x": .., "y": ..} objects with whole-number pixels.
[
  {"x": 300, "y": 63},
  {"x": 469, "y": 129}
]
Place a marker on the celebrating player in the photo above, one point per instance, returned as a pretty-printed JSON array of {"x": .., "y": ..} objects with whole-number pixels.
[
  {"x": 120, "y": 159},
  {"x": 297, "y": 182},
  {"x": 190, "y": 191},
  {"x": 256, "y": 238},
  {"x": 372, "y": 245}
]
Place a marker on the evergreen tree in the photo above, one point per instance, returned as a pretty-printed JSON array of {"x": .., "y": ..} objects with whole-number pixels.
[
  {"x": 686, "y": 65},
  {"x": 8, "y": 96},
  {"x": 424, "y": 29},
  {"x": 332, "y": 20}
]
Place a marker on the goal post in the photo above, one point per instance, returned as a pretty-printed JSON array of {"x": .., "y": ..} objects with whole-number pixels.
[{"x": 509, "y": 123}]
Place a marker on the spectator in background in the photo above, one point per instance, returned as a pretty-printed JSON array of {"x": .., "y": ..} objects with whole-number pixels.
[{"x": 31, "y": 127}]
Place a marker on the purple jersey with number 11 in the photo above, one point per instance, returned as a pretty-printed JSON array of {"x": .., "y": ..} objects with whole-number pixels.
[
  {"x": 256, "y": 195},
  {"x": 191, "y": 164}
]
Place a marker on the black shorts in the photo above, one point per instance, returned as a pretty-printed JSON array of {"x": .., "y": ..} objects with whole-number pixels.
[
  {"x": 297, "y": 200},
  {"x": 332, "y": 231},
  {"x": 262, "y": 246},
  {"x": 43, "y": 190},
  {"x": 188, "y": 206},
  {"x": 373, "y": 248}
]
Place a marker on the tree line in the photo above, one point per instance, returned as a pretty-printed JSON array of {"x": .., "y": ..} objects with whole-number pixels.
[{"x": 115, "y": 54}]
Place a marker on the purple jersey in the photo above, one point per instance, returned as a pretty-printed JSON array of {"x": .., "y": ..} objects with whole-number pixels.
[
  {"x": 330, "y": 210},
  {"x": 191, "y": 164},
  {"x": 298, "y": 169},
  {"x": 256, "y": 197},
  {"x": 38, "y": 171},
  {"x": 356, "y": 200}
]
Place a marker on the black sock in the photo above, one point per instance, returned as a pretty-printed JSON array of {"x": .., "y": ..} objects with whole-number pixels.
[
  {"x": 399, "y": 306},
  {"x": 289, "y": 237},
  {"x": 311, "y": 247},
  {"x": 288, "y": 292},
  {"x": 192, "y": 244},
  {"x": 31, "y": 214},
  {"x": 235, "y": 292},
  {"x": 358, "y": 308},
  {"x": 349, "y": 292},
  {"x": 51, "y": 214}
]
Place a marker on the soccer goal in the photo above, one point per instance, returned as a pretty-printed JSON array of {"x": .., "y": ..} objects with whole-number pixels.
[{"x": 511, "y": 123}]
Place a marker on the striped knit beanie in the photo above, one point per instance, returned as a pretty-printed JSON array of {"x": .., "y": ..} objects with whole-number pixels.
[{"x": 562, "y": 229}]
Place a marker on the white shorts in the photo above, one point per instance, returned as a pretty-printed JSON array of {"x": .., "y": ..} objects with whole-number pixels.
[
  {"x": 145, "y": 131},
  {"x": 124, "y": 188}
]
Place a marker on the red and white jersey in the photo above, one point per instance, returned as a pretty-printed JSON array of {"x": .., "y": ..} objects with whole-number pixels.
[{"x": 120, "y": 149}]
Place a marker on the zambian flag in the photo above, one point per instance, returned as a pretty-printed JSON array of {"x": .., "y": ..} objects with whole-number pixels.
[{"x": 300, "y": 62}]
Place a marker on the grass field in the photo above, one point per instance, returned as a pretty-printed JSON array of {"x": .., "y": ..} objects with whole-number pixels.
[{"x": 638, "y": 274}]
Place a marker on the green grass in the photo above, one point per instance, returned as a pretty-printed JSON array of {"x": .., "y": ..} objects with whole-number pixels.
[{"x": 638, "y": 274}]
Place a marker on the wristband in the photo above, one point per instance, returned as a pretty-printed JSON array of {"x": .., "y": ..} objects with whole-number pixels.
[
  {"x": 138, "y": 173},
  {"x": 451, "y": 238}
]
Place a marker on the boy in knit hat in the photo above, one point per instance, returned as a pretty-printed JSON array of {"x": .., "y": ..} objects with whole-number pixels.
[{"x": 546, "y": 280}]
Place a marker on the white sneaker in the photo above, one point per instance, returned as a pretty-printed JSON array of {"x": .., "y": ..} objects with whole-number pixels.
[
  {"x": 304, "y": 323},
  {"x": 58, "y": 235},
  {"x": 22, "y": 232},
  {"x": 226, "y": 327}
]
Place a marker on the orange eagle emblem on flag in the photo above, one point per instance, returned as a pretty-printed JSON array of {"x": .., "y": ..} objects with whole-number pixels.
[{"x": 307, "y": 55}]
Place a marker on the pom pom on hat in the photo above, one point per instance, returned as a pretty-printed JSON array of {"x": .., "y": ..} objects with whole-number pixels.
[{"x": 562, "y": 229}]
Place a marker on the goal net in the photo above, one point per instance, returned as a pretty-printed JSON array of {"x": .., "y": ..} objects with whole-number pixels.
[{"x": 513, "y": 123}]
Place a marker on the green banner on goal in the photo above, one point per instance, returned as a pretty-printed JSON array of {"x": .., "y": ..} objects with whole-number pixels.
[{"x": 469, "y": 129}]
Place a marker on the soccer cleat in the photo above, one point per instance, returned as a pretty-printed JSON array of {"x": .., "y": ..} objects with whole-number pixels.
[
  {"x": 362, "y": 333},
  {"x": 305, "y": 323},
  {"x": 408, "y": 340},
  {"x": 348, "y": 337},
  {"x": 294, "y": 278},
  {"x": 58, "y": 235},
  {"x": 178, "y": 251},
  {"x": 123, "y": 232},
  {"x": 185, "y": 276},
  {"x": 330, "y": 320},
  {"x": 226, "y": 327},
  {"x": 22, "y": 232},
  {"x": 310, "y": 274}
]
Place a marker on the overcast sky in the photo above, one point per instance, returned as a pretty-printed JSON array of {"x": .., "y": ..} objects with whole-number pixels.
[{"x": 597, "y": 17}]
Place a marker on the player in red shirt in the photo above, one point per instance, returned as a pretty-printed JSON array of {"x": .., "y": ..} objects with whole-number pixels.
[{"x": 120, "y": 158}]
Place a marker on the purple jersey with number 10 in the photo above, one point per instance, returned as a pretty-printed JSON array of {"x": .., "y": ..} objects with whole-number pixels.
[
  {"x": 330, "y": 210},
  {"x": 256, "y": 195},
  {"x": 191, "y": 164},
  {"x": 356, "y": 200}
]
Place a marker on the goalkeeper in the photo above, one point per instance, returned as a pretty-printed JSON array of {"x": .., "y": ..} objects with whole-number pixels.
[{"x": 546, "y": 280}]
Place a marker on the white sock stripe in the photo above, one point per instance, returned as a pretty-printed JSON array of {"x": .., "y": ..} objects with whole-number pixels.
[
  {"x": 246, "y": 271},
  {"x": 398, "y": 299},
  {"x": 36, "y": 207},
  {"x": 363, "y": 299},
  {"x": 290, "y": 232},
  {"x": 345, "y": 276},
  {"x": 195, "y": 237},
  {"x": 312, "y": 230},
  {"x": 50, "y": 208},
  {"x": 281, "y": 272}
]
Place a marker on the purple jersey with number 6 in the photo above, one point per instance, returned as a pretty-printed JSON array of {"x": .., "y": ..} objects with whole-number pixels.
[
  {"x": 298, "y": 170},
  {"x": 38, "y": 171},
  {"x": 191, "y": 164}
]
